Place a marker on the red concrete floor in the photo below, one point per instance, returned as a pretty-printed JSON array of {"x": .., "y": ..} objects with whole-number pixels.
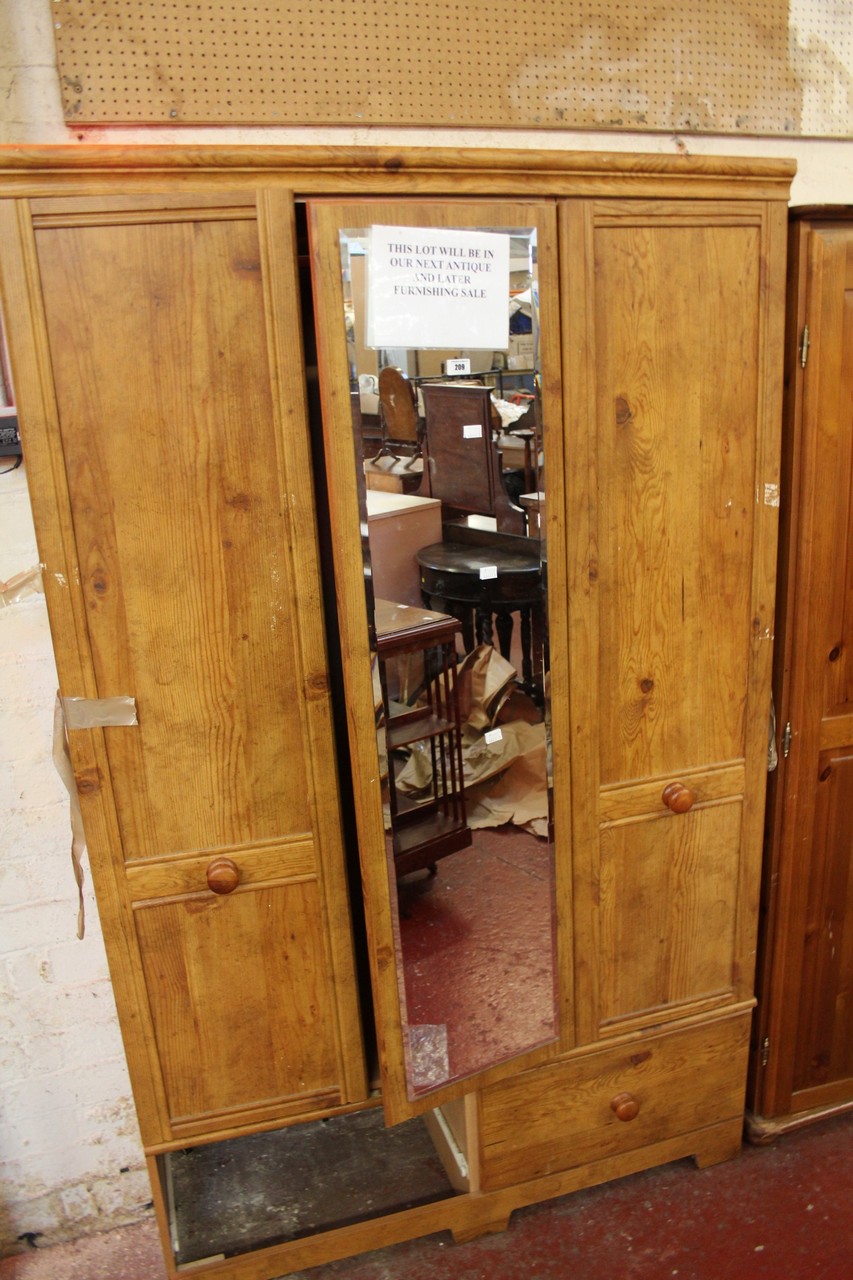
[{"x": 775, "y": 1213}]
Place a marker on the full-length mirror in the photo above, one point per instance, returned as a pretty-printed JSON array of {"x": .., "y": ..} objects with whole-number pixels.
[
  {"x": 439, "y": 382},
  {"x": 442, "y": 333}
]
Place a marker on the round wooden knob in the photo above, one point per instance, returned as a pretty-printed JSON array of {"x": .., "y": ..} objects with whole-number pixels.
[
  {"x": 223, "y": 875},
  {"x": 678, "y": 798},
  {"x": 625, "y": 1106}
]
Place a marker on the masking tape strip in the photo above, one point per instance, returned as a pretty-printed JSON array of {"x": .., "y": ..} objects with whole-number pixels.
[
  {"x": 62, "y": 763},
  {"x": 99, "y": 713},
  {"x": 21, "y": 587}
]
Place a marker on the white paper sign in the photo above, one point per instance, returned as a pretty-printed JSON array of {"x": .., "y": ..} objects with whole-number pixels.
[
  {"x": 428, "y": 287},
  {"x": 488, "y": 571},
  {"x": 472, "y": 431}
]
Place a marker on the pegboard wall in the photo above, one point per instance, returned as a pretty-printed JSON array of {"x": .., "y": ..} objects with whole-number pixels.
[{"x": 723, "y": 66}]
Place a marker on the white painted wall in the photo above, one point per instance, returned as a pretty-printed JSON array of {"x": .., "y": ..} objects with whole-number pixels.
[{"x": 68, "y": 1129}]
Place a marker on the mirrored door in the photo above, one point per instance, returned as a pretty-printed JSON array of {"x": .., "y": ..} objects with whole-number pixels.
[{"x": 438, "y": 348}]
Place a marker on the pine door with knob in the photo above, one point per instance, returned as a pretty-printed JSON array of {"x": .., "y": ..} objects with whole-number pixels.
[
  {"x": 673, "y": 440},
  {"x": 672, "y": 317},
  {"x": 163, "y": 404}
]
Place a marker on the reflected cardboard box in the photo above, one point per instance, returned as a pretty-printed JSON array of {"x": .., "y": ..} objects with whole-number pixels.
[{"x": 520, "y": 351}]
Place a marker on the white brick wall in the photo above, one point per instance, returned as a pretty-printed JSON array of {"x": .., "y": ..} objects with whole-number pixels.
[
  {"x": 30, "y": 102},
  {"x": 68, "y": 1124},
  {"x": 67, "y": 1129}
]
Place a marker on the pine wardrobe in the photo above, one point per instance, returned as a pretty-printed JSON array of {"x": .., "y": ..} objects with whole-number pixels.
[{"x": 193, "y": 338}]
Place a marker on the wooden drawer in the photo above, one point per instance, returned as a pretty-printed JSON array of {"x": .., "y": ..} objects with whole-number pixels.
[{"x": 562, "y": 1115}]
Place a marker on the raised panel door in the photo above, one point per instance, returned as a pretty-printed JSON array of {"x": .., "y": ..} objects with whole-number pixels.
[
  {"x": 806, "y": 1062},
  {"x": 179, "y": 525},
  {"x": 672, "y": 450},
  {"x": 668, "y": 911},
  {"x": 176, "y": 442},
  {"x": 253, "y": 963},
  {"x": 823, "y": 1056}
]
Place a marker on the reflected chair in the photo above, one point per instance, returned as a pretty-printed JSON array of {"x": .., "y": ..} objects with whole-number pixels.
[
  {"x": 462, "y": 464},
  {"x": 398, "y": 415}
]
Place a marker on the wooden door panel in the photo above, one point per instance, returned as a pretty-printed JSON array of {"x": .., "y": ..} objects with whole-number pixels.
[
  {"x": 673, "y": 456},
  {"x": 238, "y": 994},
  {"x": 807, "y": 1025},
  {"x": 668, "y": 913},
  {"x": 824, "y": 1038},
  {"x": 168, "y": 436},
  {"x": 675, "y": 341},
  {"x": 179, "y": 448},
  {"x": 835, "y": 593}
]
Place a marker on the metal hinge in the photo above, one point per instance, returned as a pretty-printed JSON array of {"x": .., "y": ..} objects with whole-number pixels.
[
  {"x": 765, "y": 1051},
  {"x": 786, "y": 740},
  {"x": 804, "y": 346}
]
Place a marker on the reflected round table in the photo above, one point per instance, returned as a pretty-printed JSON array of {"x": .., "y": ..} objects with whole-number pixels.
[{"x": 483, "y": 585}]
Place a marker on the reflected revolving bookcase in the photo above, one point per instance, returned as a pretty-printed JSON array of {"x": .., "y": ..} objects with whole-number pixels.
[{"x": 430, "y": 824}]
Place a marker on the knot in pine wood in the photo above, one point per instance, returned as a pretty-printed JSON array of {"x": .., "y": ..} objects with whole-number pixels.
[
  {"x": 624, "y": 414},
  {"x": 89, "y": 782}
]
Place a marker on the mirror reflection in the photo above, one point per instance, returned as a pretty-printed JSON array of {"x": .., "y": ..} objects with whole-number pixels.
[{"x": 451, "y": 472}]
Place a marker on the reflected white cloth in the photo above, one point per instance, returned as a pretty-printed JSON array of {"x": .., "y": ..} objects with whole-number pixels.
[
  {"x": 368, "y": 392},
  {"x": 509, "y": 413}
]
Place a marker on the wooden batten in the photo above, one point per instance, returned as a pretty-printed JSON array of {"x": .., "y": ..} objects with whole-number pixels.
[{"x": 386, "y": 170}]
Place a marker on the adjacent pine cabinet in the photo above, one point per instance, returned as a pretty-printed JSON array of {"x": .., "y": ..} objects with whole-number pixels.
[
  {"x": 182, "y": 367},
  {"x": 802, "y": 1065}
]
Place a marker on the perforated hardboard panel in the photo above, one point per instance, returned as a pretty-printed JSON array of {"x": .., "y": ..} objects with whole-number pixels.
[{"x": 736, "y": 66}]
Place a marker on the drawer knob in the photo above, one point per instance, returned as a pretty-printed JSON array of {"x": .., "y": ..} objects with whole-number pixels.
[
  {"x": 625, "y": 1106},
  {"x": 223, "y": 875},
  {"x": 678, "y": 798}
]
